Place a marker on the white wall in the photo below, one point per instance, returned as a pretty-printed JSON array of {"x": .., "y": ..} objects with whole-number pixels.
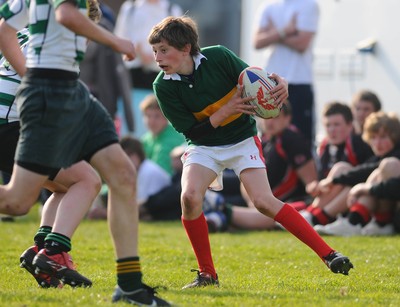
[{"x": 339, "y": 69}]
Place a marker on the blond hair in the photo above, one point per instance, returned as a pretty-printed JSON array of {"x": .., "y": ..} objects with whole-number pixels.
[
  {"x": 149, "y": 103},
  {"x": 388, "y": 122}
]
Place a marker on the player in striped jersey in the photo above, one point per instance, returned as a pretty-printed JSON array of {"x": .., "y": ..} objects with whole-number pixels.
[
  {"x": 9, "y": 83},
  {"x": 85, "y": 181},
  {"x": 81, "y": 176},
  {"x": 8, "y": 112},
  {"x": 61, "y": 123}
]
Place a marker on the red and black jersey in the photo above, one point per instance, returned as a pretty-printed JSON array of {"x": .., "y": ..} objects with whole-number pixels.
[
  {"x": 284, "y": 154},
  {"x": 354, "y": 150}
]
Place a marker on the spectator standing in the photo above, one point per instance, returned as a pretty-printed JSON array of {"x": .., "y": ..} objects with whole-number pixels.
[
  {"x": 287, "y": 28},
  {"x": 107, "y": 12},
  {"x": 104, "y": 72},
  {"x": 134, "y": 21}
]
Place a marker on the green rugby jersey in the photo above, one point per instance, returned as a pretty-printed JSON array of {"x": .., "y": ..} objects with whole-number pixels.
[
  {"x": 185, "y": 103},
  {"x": 52, "y": 45}
]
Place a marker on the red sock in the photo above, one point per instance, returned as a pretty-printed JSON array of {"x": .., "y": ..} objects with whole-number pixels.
[
  {"x": 298, "y": 226},
  {"x": 197, "y": 232},
  {"x": 321, "y": 216},
  {"x": 364, "y": 216},
  {"x": 383, "y": 218},
  {"x": 310, "y": 208},
  {"x": 298, "y": 205}
]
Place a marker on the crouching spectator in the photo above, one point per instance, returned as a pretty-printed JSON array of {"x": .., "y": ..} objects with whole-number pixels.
[{"x": 151, "y": 178}]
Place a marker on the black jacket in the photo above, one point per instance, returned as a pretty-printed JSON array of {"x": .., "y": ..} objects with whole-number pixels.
[
  {"x": 360, "y": 173},
  {"x": 389, "y": 189}
]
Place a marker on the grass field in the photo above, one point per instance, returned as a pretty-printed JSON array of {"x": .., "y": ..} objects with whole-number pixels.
[{"x": 255, "y": 268}]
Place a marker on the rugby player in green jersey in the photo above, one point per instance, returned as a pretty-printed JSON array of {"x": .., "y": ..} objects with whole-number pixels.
[{"x": 197, "y": 92}]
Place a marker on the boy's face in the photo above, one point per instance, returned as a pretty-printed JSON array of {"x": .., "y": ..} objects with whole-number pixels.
[
  {"x": 154, "y": 120},
  {"x": 381, "y": 143},
  {"x": 337, "y": 130},
  {"x": 361, "y": 110},
  {"x": 170, "y": 59}
]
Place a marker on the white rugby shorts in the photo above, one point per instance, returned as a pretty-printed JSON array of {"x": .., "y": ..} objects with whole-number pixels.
[{"x": 238, "y": 157}]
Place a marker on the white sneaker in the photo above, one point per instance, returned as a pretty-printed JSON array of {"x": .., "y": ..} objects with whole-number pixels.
[
  {"x": 374, "y": 229},
  {"x": 340, "y": 227},
  {"x": 307, "y": 216}
]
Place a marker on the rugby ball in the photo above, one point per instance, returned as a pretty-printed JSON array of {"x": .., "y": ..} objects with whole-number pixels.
[{"x": 256, "y": 82}]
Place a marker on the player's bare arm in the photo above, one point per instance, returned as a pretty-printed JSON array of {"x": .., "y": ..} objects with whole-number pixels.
[
  {"x": 68, "y": 15},
  {"x": 10, "y": 48},
  {"x": 265, "y": 37},
  {"x": 300, "y": 41},
  {"x": 271, "y": 34}
]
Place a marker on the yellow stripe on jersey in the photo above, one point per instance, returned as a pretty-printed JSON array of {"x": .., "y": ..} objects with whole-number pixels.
[{"x": 212, "y": 108}]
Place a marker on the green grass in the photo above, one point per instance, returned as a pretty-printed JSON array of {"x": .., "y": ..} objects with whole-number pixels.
[{"x": 255, "y": 268}]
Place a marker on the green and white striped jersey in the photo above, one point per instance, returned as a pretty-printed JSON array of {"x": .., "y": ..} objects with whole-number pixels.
[
  {"x": 52, "y": 45},
  {"x": 9, "y": 82}
]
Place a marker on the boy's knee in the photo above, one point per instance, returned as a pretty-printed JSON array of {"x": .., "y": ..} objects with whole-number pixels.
[
  {"x": 388, "y": 164},
  {"x": 340, "y": 168},
  {"x": 191, "y": 200},
  {"x": 266, "y": 204},
  {"x": 123, "y": 180},
  {"x": 16, "y": 210},
  {"x": 94, "y": 182}
]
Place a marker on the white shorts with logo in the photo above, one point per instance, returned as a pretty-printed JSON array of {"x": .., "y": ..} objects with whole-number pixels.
[{"x": 238, "y": 157}]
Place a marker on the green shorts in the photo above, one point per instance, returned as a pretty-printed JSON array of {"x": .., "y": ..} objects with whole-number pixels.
[{"x": 61, "y": 123}]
